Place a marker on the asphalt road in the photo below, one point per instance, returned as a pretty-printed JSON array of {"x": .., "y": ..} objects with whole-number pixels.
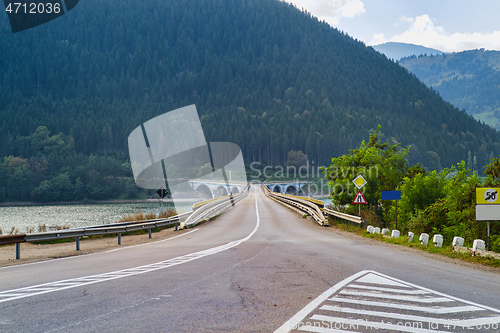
[{"x": 259, "y": 267}]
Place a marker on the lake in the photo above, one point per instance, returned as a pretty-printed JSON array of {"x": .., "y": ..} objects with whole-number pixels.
[{"x": 74, "y": 216}]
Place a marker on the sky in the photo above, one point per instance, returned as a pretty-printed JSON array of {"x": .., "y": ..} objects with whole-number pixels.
[{"x": 446, "y": 25}]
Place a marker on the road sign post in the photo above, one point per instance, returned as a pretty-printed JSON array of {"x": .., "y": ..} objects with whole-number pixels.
[
  {"x": 162, "y": 192},
  {"x": 391, "y": 195},
  {"x": 487, "y": 206},
  {"x": 359, "y": 200},
  {"x": 359, "y": 182}
]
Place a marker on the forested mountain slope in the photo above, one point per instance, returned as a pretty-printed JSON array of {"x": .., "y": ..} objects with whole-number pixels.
[
  {"x": 262, "y": 74},
  {"x": 469, "y": 80}
]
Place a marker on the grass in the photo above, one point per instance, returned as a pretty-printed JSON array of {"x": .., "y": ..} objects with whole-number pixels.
[{"x": 446, "y": 250}]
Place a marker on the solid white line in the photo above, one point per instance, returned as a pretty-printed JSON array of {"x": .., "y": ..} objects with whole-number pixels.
[
  {"x": 397, "y": 297},
  {"x": 76, "y": 282},
  {"x": 445, "y": 310}
]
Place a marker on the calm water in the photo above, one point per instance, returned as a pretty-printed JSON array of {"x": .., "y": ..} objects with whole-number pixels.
[{"x": 74, "y": 216}]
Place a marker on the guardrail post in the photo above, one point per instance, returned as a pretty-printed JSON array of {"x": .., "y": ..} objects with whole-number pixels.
[
  {"x": 149, "y": 232},
  {"x": 77, "y": 243},
  {"x": 119, "y": 239},
  {"x": 18, "y": 250}
]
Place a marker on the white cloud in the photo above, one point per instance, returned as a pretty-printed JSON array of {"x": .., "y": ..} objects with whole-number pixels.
[
  {"x": 331, "y": 11},
  {"x": 423, "y": 30},
  {"x": 378, "y": 39},
  {"x": 352, "y": 8}
]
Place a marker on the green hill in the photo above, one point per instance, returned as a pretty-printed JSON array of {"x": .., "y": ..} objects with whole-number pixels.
[
  {"x": 262, "y": 74},
  {"x": 469, "y": 80}
]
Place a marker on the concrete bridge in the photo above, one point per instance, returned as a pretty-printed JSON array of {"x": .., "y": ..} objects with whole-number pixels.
[
  {"x": 294, "y": 188},
  {"x": 215, "y": 189}
]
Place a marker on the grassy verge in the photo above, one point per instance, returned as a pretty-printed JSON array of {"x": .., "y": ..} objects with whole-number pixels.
[{"x": 446, "y": 250}]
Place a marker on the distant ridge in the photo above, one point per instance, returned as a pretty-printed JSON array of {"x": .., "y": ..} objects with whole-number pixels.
[
  {"x": 469, "y": 80},
  {"x": 396, "y": 51}
]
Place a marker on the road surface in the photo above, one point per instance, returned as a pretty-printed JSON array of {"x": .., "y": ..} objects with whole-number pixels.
[{"x": 259, "y": 267}]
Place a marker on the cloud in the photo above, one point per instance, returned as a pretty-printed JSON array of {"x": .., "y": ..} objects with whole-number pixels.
[
  {"x": 352, "y": 8},
  {"x": 332, "y": 11},
  {"x": 424, "y": 30}
]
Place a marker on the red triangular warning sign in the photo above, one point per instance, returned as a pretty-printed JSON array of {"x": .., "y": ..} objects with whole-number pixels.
[{"x": 359, "y": 199}]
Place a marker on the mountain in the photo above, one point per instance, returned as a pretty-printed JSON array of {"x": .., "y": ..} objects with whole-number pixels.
[
  {"x": 469, "y": 80},
  {"x": 396, "y": 51},
  {"x": 262, "y": 74}
]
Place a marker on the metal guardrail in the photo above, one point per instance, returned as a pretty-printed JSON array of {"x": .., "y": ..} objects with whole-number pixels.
[
  {"x": 116, "y": 228},
  {"x": 208, "y": 209},
  {"x": 308, "y": 204},
  {"x": 214, "y": 207},
  {"x": 350, "y": 218},
  {"x": 296, "y": 202}
]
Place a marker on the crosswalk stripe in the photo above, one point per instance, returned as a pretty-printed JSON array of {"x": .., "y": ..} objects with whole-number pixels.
[
  {"x": 448, "y": 322},
  {"x": 324, "y": 330},
  {"x": 390, "y": 290},
  {"x": 418, "y": 328},
  {"x": 436, "y": 310},
  {"x": 397, "y": 297}
]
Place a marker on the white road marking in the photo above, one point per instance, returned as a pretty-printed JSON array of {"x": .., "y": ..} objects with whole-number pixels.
[
  {"x": 10, "y": 295},
  {"x": 390, "y": 290},
  {"x": 411, "y": 318},
  {"x": 446, "y": 310},
  {"x": 385, "y": 303},
  {"x": 397, "y": 297},
  {"x": 97, "y": 253}
]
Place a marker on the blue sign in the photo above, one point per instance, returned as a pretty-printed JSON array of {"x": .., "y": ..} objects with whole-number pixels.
[{"x": 391, "y": 195}]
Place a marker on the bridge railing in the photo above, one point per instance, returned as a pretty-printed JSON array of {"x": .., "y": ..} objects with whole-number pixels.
[
  {"x": 296, "y": 202},
  {"x": 214, "y": 207}
]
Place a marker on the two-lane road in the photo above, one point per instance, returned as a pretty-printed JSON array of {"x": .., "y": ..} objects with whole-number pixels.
[{"x": 253, "y": 269}]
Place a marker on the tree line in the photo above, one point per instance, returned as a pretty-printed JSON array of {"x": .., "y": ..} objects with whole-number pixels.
[{"x": 262, "y": 74}]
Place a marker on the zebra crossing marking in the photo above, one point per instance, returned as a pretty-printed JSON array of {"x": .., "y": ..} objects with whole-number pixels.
[{"x": 370, "y": 301}]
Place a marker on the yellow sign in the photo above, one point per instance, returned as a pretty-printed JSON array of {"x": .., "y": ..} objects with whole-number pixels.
[
  {"x": 359, "y": 181},
  {"x": 487, "y": 195}
]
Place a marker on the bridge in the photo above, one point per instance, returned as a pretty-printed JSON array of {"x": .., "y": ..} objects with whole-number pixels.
[
  {"x": 215, "y": 189},
  {"x": 294, "y": 188}
]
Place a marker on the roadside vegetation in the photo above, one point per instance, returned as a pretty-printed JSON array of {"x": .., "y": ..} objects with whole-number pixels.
[
  {"x": 432, "y": 202},
  {"x": 445, "y": 250}
]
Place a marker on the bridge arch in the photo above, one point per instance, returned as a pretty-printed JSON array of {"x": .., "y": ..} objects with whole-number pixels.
[
  {"x": 205, "y": 191},
  {"x": 277, "y": 189},
  {"x": 235, "y": 190},
  {"x": 222, "y": 191},
  {"x": 291, "y": 189}
]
